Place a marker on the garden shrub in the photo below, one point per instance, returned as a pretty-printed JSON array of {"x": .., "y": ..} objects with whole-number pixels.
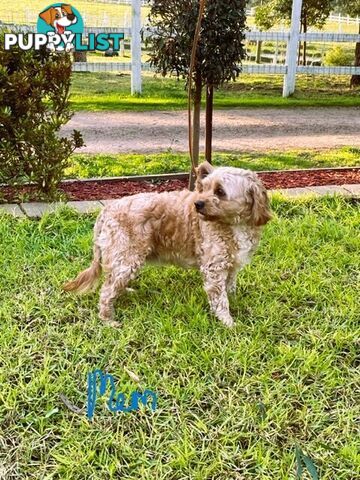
[
  {"x": 338, "y": 56},
  {"x": 34, "y": 104}
]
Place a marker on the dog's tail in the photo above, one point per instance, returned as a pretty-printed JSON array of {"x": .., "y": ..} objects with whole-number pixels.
[{"x": 87, "y": 280}]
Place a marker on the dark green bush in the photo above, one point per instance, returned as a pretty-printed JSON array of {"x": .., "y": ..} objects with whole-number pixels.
[{"x": 34, "y": 104}]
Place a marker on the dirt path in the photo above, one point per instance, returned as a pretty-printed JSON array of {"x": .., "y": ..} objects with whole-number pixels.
[{"x": 234, "y": 130}]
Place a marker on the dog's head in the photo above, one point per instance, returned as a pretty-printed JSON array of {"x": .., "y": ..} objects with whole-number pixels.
[
  {"x": 59, "y": 17},
  {"x": 231, "y": 195}
]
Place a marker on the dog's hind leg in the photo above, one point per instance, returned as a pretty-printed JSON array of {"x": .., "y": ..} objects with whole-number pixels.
[
  {"x": 116, "y": 281},
  {"x": 87, "y": 280},
  {"x": 231, "y": 281},
  {"x": 215, "y": 287}
]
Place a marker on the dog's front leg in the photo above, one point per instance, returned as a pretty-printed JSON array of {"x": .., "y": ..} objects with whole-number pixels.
[{"x": 215, "y": 287}]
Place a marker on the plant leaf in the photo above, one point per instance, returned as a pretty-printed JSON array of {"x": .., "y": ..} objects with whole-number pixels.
[
  {"x": 73, "y": 408},
  {"x": 51, "y": 412},
  {"x": 302, "y": 459},
  {"x": 262, "y": 410},
  {"x": 310, "y": 467},
  {"x": 132, "y": 375},
  {"x": 299, "y": 467}
]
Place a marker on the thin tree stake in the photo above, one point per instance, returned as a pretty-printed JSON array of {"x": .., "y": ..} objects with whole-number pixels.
[{"x": 191, "y": 71}]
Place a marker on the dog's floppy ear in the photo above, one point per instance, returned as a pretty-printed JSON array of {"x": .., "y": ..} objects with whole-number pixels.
[
  {"x": 260, "y": 210},
  {"x": 202, "y": 171},
  {"x": 48, "y": 15},
  {"x": 67, "y": 8}
]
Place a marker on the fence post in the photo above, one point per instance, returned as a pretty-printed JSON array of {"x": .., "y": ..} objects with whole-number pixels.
[
  {"x": 292, "y": 48},
  {"x": 136, "y": 84}
]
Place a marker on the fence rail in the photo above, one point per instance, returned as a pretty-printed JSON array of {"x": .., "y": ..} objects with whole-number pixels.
[
  {"x": 254, "y": 35},
  {"x": 32, "y": 29},
  {"x": 250, "y": 69},
  {"x": 341, "y": 19}
]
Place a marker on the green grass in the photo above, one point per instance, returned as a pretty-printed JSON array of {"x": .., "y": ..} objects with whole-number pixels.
[
  {"x": 232, "y": 404},
  {"x": 110, "y": 91},
  {"x": 112, "y": 165}
]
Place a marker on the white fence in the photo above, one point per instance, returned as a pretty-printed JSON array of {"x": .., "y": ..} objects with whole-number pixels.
[
  {"x": 258, "y": 68},
  {"x": 291, "y": 38},
  {"x": 340, "y": 19},
  {"x": 343, "y": 22}
]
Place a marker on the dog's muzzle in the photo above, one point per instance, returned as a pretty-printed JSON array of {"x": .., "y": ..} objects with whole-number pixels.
[{"x": 199, "y": 205}]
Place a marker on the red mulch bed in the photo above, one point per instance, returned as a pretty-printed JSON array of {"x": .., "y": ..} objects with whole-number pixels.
[
  {"x": 310, "y": 178},
  {"x": 107, "y": 189}
]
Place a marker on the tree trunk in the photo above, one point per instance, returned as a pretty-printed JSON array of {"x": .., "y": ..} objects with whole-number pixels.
[
  {"x": 196, "y": 129},
  {"x": 355, "y": 79},
  {"x": 258, "y": 51},
  {"x": 304, "y": 43},
  {"x": 209, "y": 122},
  {"x": 299, "y": 47},
  {"x": 80, "y": 56}
]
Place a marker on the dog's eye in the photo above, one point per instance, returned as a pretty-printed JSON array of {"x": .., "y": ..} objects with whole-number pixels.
[
  {"x": 220, "y": 192},
  {"x": 57, "y": 15}
]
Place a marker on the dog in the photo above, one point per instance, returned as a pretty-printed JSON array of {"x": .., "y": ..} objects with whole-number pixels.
[
  {"x": 59, "y": 17},
  {"x": 216, "y": 229}
]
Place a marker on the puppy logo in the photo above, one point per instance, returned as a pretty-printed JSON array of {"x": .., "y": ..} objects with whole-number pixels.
[
  {"x": 61, "y": 22},
  {"x": 59, "y": 17},
  {"x": 60, "y": 27}
]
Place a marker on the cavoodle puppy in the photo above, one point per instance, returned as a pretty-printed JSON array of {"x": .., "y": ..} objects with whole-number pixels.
[{"x": 215, "y": 229}]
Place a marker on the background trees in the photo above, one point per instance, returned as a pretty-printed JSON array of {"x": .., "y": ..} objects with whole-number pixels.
[
  {"x": 219, "y": 52},
  {"x": 313, "y": 14},
  {"x": 352, "y": 8}
]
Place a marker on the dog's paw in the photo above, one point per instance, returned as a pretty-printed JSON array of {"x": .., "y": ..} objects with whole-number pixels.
[
  {"x": 111, "y": 323},
  {"x": 228, "y": 321},
  {"x": 107, "y": 316}
]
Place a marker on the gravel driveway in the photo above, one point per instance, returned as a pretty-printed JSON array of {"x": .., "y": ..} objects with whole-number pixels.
[{"x": 234, "y": 130}]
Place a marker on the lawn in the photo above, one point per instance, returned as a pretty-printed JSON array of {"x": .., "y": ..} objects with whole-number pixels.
[
  {"x": 112, "y": 165},
  {"x": 111, "y": 91},
  {"x": 232, "y": 404}
]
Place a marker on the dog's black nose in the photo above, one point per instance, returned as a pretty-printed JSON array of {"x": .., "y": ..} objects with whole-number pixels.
[
  {"x": 70, "y": 16},
  {"x": 199, "y": 205}
]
